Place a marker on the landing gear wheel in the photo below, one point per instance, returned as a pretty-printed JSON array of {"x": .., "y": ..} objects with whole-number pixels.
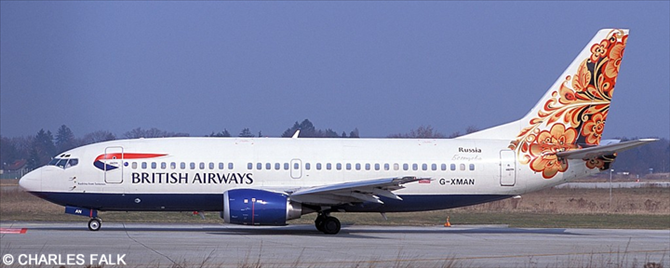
[
  {"x": 331, "y": 225},
  {"x": 94, "y": 224},
  {"x": 319, "y": 223}
]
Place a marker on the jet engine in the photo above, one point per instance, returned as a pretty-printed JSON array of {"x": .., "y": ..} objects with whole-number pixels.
[{"x": 258, "y": 207}]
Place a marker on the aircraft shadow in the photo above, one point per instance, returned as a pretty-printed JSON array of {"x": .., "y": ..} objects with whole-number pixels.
[
  {"x": 385, "y": 230},
  {"x": 308, "y": 230}
]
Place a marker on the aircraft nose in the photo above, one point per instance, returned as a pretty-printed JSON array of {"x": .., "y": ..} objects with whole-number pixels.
[{"x": 32, "y": 182}]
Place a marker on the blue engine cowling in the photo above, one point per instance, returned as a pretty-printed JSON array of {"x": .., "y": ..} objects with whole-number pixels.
[{"x": 258, "y": 207}]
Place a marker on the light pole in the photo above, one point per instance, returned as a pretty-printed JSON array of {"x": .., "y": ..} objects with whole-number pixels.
[{"x": 611, "y": 171}]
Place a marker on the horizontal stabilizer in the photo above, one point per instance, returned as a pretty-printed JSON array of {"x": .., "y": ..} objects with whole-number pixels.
[{"x": 603, "y": 150}]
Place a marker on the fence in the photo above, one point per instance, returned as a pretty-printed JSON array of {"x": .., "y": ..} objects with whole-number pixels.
[{"x": 14, "y": 174}]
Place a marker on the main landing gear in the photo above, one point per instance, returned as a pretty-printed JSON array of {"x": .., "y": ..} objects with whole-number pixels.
[
  {"x": 327, "y": 224},
  {"x": 94, "y": 224}
]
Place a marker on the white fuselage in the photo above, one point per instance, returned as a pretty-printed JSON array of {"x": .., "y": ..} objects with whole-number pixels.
[{"x": 193, "y": 173}]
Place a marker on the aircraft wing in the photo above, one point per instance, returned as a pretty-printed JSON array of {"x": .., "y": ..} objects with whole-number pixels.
[
  {"x": 352, "y": 192},
  {"x": 603, "y": 150}
]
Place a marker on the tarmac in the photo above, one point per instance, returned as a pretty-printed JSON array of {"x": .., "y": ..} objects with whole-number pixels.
[{"x": 71, "y": 244}]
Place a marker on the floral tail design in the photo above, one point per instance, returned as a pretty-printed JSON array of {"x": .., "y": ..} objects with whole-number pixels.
[{"x": 573, "y": 112}]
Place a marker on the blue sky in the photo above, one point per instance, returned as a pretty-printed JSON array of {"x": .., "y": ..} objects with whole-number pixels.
[{"x": 381, "y": 67}]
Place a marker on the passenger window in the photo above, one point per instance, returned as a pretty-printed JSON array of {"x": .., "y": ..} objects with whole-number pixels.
[
  {"x": 329, "y": 166},
  {"x": 259, "y": 166},
  {"x": 211, "y": 165},
  {"x": 377, "y": 166},
  {"x": 202, "y": 165},
  {"x": 405, "y": 166},
  {"x": 443, "y": 167},
  {"x": 452, "y": 167},
  {"x": 462, "y": 166},
  {"x": 338, "y": 166},
  {"x": 424, "y": 166},
  {"x": 268, "y": 166},
  {"x": 472, "y": 166},
  {"x": 182, "y": 165},
  {"x": 396, "y": 166},
  {"x": 163, "y": 165},
  {"x": 358, "y": 166},
  {"x": 348, "y": 166},
  {"x": 134, "y": 165},
  {"x": 433, "y": 167},
  {"x": 277, "y": 166},
  {"x": 230, "y": 166},
  {"x": 250, "y": 166},
  {"x": 318, "y": 166},
  {"x": 387, "y": 166},
  {"x": 173, "y": 165},
  {"x": 415, "y": 166},
  {"x": 307, "y": 166},
  {"x": 144, "y": 165},
  {"x": 286, "y": 166},
  {"x": 192, "y": 165},
  {"x": 153, "y": 165},
  {"x": 367, "y": 166},
  {"x": 220, "y": 165}
]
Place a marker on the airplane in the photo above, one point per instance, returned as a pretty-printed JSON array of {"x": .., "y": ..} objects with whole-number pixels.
[{"x": 269, "y": 181}]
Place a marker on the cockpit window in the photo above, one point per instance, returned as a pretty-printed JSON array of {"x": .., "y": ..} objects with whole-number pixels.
[{"x": 64, "y": 162}]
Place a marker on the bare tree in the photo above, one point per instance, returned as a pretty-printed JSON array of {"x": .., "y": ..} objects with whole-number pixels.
[
  {"x": 151, "y": 133},
  {"x": 422, "y": 132},
  {"x": 97, "y": 136}
]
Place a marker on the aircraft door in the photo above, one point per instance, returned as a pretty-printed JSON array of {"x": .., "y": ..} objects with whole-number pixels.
[
  {"x": 507, "y": 168},
  {"x": 113, "y": 164},
  {"x": 296, "y": 168}
]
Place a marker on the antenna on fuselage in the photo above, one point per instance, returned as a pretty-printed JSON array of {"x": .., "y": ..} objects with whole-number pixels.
[{"x": 295, "y": 135}]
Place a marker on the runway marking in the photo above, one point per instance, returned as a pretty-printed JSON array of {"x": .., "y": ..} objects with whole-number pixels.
[{"x": 13, "y": 230}]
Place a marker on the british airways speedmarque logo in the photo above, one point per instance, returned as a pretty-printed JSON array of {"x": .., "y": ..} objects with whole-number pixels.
[{"x": 107, "y": 162}]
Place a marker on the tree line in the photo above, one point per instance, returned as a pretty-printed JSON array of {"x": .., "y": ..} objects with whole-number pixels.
[{"x": 39, "y": 149}]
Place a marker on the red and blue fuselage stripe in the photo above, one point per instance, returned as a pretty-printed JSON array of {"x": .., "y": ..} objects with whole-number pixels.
[{"x": 98, "y": 163}]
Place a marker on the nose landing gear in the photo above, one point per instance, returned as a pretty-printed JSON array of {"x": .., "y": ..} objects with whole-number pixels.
[{"x": 94, "y": 224}]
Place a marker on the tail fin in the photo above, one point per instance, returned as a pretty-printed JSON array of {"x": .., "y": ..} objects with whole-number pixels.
[
  {"x": 576, "y": 105},
  {"x": 571, "y": 114}
]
